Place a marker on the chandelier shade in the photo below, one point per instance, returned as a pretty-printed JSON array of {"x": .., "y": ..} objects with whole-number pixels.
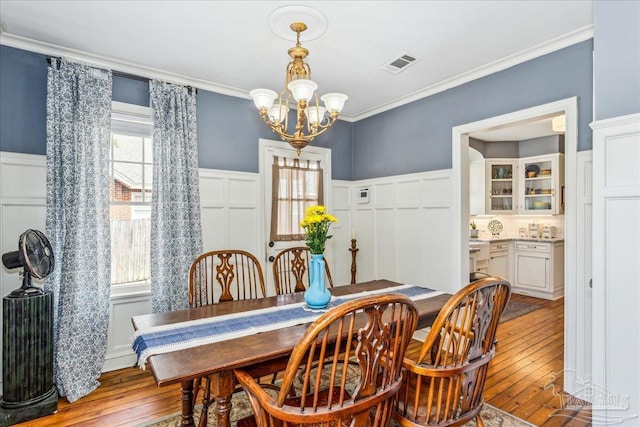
[
  {"x": 263, "y": 98},
  {"x": 316, "y": 114},
  {"x": 302, "y": 90},
  {"x": 300, "y": 93},
  {"x": 334, "y": 101},
  {"x": 278, "y": 113}
]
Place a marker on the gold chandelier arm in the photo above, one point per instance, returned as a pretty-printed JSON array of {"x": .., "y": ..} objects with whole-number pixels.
[{"x": 279, "y": 129}]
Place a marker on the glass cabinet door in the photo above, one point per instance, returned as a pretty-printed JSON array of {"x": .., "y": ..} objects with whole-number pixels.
[
  {"x": 501, "y": 197},
  {"x": 542, "y": 181}
]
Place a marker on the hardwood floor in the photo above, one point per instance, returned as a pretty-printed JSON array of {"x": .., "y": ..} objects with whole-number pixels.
[{"x": 529, "y": 349}]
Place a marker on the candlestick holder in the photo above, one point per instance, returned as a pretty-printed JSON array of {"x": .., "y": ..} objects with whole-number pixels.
[{"x": 354, "y": 268}]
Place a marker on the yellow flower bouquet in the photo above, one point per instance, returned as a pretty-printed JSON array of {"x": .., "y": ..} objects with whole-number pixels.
[{"x": 316, "y": 225}]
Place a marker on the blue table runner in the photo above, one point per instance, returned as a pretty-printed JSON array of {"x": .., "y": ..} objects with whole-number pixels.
[{"x": 177, "y": 336}]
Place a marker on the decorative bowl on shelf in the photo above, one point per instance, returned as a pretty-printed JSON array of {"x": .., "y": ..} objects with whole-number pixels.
[
  {"x": 495, "y": 227},
  {"x": 545, "y": 172},
  {"x": 532, "y": 171}
]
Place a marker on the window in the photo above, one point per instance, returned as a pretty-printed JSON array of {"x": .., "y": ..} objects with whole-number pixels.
[
  {"x": 131, "y": 177},
  {"x": 297, "y": 184}
]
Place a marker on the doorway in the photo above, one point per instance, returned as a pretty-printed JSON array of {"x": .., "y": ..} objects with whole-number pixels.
[
  {"x": 574, "y": 348},
  {"x": 269, "y": 150}
]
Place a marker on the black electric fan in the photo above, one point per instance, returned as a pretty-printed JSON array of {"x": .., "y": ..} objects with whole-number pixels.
[{"x": 27, "y": 335}]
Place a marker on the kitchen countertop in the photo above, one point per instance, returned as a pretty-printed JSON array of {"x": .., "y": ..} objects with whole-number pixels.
[{"x": 509, "y": 239}]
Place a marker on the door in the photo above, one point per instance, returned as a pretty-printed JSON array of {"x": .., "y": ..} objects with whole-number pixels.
[
  {"x": 316, "y": 157},
  {"x": 499, "y": 264},
  {"x": 501, "y": 192},
  {"x": 532, "y": 270}
]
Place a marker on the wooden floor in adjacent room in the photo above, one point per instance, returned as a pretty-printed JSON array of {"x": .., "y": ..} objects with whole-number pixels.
[{"x": 529, "y": 349}]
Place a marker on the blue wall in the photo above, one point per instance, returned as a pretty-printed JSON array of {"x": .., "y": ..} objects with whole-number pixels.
[
  {"x": 417, "y": 137},
  {"x": 228, "y": 127},
  {"x": 413, "y": 138},
  {"x": 616, "y": 58},
  {"x": 23, "y": 106}
]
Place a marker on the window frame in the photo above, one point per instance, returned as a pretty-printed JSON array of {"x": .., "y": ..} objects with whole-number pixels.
[{"x": 126, "y": 290}]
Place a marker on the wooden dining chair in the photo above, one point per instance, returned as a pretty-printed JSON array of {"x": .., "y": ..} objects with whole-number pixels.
[
  {"x": 373, "y": 330},
  {"x": 225, "y": 275},
  {"x": 444, "y": 385},
  {"x": 220, "y": 276},
  {"x": 291, "y": 270}
]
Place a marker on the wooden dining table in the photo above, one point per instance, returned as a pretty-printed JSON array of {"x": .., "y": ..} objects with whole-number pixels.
[{"x": 260, "y": 354}]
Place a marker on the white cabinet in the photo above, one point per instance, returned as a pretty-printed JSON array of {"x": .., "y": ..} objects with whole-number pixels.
[
  {"x": 541, "y": 184},
  {"x": 539, "y": 269},
  {"x": 500, "y": 260},
  {"x": 480, "y": 258},
  {"x": 501, "y": 186},
  {"x": 530, "y": 185}
]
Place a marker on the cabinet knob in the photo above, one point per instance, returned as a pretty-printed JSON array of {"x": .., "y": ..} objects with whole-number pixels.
[{"x": 271, "y": 258}]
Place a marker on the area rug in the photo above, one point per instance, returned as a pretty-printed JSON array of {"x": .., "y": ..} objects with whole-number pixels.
[
  {"x": 492, "y": 417},
  {"x": 516, "y": 309}
]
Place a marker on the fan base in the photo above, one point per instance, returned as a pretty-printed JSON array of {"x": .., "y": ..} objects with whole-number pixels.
[{"x": 44, "y": 407}]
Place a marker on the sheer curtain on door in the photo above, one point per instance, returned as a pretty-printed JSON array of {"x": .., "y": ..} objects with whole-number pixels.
[{"x": 296, "y": 186}]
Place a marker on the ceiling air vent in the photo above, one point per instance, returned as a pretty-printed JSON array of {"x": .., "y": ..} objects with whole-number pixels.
[{"x": 401, "y": 63}]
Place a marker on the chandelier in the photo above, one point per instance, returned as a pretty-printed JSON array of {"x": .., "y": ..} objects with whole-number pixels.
[{"x": 311, "y": 119}]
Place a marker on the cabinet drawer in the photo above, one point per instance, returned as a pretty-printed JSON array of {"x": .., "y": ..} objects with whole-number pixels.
[
  {"x": 533, "y": 246},
  {"x": 499, "y": 246}
]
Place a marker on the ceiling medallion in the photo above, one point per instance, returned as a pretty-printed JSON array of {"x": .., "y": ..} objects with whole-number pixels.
[{"x": 281, "y": 18}]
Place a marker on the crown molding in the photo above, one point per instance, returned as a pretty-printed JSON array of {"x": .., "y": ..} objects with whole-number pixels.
[
  {"x": 558, "y": 43},
  {"x": 114, "y": 64},
  {"x": 574, "y": 37},
  {"x": 631, "y": 119}
]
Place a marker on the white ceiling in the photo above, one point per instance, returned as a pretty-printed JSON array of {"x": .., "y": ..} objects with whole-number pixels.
[{"x": 228, "y": 46}]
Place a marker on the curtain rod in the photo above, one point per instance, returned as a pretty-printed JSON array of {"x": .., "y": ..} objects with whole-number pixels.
[{"x": 122, "y": 74}]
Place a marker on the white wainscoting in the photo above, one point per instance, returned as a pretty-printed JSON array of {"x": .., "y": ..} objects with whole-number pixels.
[
  {"x": 616, "y": 271},
  {"x": 23, "y": 202},
  {"x": 342, "y": 202},
  {"x": 404, "y": 230},
  {"x": 403, "y": 233}
]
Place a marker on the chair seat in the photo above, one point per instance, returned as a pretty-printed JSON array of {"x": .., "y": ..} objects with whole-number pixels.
[
  {"x": 419, "y": 416},
  {"x": 323, "y": 400}
]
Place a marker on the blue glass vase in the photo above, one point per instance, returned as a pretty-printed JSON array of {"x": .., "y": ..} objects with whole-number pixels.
[{"x": 317, "y": 296}]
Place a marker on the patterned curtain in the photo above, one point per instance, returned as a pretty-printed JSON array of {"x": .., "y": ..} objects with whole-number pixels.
[
  {"x": 176, "y": 234},
  {"x": 78, "y": 127}
]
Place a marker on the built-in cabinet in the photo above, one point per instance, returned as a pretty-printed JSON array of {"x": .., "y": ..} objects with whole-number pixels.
[
  {"x": 539, "y": 269},
  {"x": 501, "y": 186},
  {"x": 499, "y": 264},
  {"x": 541, "y": 185},
  {"x": 481, "y": 259},
  {"x": 530, "y": 185}
]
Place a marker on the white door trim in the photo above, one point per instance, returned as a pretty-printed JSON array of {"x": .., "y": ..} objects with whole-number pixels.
[
  {"x": 460, "y": 207},
  {"x": 267, "y": 148}
]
